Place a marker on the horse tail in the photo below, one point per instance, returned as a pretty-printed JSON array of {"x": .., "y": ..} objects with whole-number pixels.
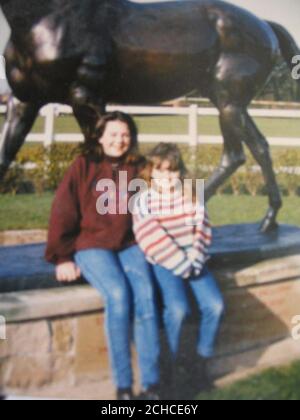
[{"x": 288, "y": 46}]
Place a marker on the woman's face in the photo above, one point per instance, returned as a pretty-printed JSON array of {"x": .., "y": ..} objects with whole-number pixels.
[
  {"x": 164, "y": 178},
  {"x": 116, "y": 139}
]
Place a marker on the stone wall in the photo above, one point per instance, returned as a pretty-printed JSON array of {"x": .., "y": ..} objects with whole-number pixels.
[
  {"x": 21, "y": 237},
  {"x": 52, "y": 336},
  {"x": 57, "y": 336}
]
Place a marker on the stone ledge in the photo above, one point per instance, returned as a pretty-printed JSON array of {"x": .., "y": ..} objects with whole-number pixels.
[
  {"x": 22, "y": 237},
  {"x": 52, "y": 303},
  {"x": 63, "y": 301},
  {"x": 269, "y": 271}
]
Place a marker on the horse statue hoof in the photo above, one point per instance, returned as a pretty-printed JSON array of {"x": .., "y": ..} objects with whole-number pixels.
[{"x": 268, "y": 225}]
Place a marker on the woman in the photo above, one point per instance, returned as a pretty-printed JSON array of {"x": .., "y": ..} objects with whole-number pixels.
[{"x": 102, "y": 248}]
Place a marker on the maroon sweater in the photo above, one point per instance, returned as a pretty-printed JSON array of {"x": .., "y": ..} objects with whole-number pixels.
[{"x": 75, "y": 223}]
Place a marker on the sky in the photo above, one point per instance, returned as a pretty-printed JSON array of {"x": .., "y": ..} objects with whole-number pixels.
[{"x": 286, "y": 12}]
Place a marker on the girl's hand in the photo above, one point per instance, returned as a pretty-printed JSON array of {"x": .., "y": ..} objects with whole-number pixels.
[
  {"x": 188, "y": 274},
  {"x": 67, "y": 272},
  {"x": 193, "y": 254}
]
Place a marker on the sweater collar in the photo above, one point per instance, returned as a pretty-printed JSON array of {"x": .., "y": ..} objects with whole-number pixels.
[{"x": 114, "y": 160}]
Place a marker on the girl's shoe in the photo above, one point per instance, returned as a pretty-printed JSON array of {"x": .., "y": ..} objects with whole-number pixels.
[
  {"x": 205, "y": 382},
  {"x": 125, "y": 395},
  {"x": 151, "y": 394}
]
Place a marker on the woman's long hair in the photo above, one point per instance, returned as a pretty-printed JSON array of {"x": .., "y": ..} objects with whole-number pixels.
[{"x": 94, "y": 150}]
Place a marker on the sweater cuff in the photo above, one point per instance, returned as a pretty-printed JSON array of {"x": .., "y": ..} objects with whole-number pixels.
[
  {"x": 62, "y": 260},
  {"x": 183, "y": 268}
]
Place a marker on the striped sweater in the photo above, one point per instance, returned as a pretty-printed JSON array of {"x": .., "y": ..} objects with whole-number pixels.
[{"x": 171, "y": 233}]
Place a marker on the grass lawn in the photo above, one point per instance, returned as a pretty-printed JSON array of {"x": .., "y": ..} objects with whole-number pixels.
[
  {"x": 273, "y": 384},
  {"x": 31, "y": 211},
  {"x": 227, "y": 209},
  {"x": 272, "y": 127},
  {"x": 28, "y": 211}
]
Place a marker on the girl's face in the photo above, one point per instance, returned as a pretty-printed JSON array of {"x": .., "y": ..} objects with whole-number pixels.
[
  {"x": 164, "y": 178},
  {"x": 116, "y": 139}
]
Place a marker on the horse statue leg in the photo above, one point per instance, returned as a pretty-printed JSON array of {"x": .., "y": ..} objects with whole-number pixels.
[
  {"x": 20, "y": 118},
  {"x": 233, "y": 152},
  {"x": 230, "y": 91},
  {"x": 260, "y": 150},
  {"x": 87, "y": 117},
  {"x": 87, "y": 94}
]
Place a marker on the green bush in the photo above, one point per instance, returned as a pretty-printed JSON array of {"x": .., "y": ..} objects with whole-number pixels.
[
  {"x": 253, "y": 178},
  {"x": 14, "y": 181},
  {"x": 287, "y": 169},
  {"x": 39, "y": 169},
  {"x": 37, "y": 175},
  {"x": 59, "y": 158},
  {"x": 237, "y": 182}
]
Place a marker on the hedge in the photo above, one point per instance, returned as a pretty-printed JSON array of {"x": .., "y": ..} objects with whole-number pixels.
[{"x": 38, "y": 169}]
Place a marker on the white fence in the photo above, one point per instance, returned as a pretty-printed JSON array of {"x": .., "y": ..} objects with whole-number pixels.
[{"x": 192, "y": 137}]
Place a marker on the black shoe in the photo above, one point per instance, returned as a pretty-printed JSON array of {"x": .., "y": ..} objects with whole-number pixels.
[
  {"x": 204, "y": 381},
  {"x": 151, "y": 394},
  {"x": 168, "y": 381},
  {"x": 125, "y": 395}
]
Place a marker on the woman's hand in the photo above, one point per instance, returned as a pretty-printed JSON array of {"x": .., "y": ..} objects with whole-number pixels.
[{"x": 67, "y": 272}]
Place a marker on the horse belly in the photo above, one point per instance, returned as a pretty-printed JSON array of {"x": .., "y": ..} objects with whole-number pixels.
[
  {"x": 154, "y": 77},
  {"x": 158, "y": 66}
]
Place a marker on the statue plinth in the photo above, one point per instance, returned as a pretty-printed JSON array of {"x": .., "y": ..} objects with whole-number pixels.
[
  {"x": 244, "y": 243},
  {"x": 26, "y": 269}
]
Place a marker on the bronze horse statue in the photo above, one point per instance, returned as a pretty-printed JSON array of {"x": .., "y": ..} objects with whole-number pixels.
[{"x": 88, "y": 53}]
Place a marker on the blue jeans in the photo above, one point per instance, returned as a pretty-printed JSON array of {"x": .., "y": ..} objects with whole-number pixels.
[
  {"x": 176, "y": 308},
  {"x": 125, "y": 281}
]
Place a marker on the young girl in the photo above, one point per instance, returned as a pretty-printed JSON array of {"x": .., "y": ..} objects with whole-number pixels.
[
  {"x": 102, "y": 248},
  {"x": 174, "y": 232}
]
